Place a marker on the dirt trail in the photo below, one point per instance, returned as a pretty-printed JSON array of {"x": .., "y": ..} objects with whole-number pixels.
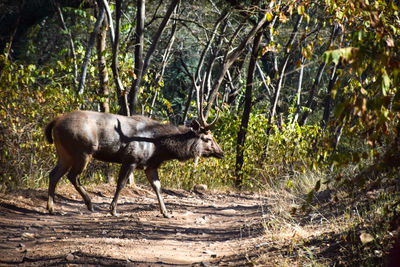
[{"x": 206, "y": 229}]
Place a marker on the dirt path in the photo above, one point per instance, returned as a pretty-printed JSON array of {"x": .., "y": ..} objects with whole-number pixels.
[{"x": 206, "y": 229}]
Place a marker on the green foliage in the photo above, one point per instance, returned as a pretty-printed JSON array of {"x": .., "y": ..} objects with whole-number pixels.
[
  {"x": 290, "y": 156},
  {"x": 370, "y": 101},
  {"x": 30, "y": 98}
]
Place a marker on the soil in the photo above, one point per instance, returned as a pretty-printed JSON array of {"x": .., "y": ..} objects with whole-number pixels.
[{"x": 208, "y": 228}]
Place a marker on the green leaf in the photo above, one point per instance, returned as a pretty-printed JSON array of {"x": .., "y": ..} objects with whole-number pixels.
[
  {"x": 334, "y": 56},
  {"x": 385, "y": 83},
  {"x": 269, "y": 16}
]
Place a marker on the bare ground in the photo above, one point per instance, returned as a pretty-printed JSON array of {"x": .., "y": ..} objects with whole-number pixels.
[{"x": 207, "y": 229}]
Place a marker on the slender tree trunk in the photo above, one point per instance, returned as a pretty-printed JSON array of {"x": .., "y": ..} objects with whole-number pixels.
[
  {"x": 309, "y": 104},
  {"x": 71, "y": 46},
  {"x": 246, "y": 112},
  {"x": 89, "y": 48},
  {"x": 102, "y": 65},
  {"x": 281, "y": 74},
  {"x": 121, "y": 92},
  {"x": 141, "y": 69},
  {"x": 14, "y": 30},
  {"x": 229, "y": 59},
  {"x": 298, "y": 94},
  {"x": 134, "y": 93},
  {"x": 328, "y": 98},
  {"x": 283, "y": 68}
]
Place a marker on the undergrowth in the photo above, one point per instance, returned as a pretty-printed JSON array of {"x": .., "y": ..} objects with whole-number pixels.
[{"x": 354, "y": 230}]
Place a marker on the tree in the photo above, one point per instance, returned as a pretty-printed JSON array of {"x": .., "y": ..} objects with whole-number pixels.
[
  {"x": 18, "y": 16},
  {"x": 247, "y": 110}
]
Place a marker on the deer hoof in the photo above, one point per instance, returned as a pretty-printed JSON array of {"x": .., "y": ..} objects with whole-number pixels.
[
  {"x": 50, "y": 209},
  {"x": 114, "y": 213},
  {"x": 167, "y": 215}
]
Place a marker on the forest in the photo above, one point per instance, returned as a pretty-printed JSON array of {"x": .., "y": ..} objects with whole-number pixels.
[{"x": 305, "y": 91}]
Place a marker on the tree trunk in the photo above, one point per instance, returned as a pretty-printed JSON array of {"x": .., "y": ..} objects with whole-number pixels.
[
  {"x": 309, "y": 104},
  {"x": 328, "y": 98},
  {"x": 141, "y": 68},
  {"x": 281, "y": 74},
  {"x": 89, "y": 48},
  {"x": 102, "y": 65},
  {"x": 15, "y": 28},
  {"x": 71, "y": 46},
  {"x": 121, "y": 92},
  {"x": 298, "y": 94},
  {"x": 283, "y": 68},
  {"x": 133, "y": 94},
  {"x": 229, "y": 59},
  {"x": 246, "y": 112}
]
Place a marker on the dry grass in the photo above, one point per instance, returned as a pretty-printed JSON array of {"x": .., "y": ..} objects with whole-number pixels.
[{"x": 328, "y": 233}]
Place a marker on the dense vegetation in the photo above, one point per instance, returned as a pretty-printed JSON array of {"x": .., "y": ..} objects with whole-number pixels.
[{"x": 308, "y": 89}]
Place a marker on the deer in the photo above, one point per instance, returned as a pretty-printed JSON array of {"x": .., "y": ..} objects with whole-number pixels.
[{"x": 135, "y": 142}]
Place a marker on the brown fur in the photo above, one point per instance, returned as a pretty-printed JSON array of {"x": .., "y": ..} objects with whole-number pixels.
[{"x": 135, "y": 142}]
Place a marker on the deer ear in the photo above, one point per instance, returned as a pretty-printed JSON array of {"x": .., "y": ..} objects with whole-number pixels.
[{"x": 195, "y": 125}]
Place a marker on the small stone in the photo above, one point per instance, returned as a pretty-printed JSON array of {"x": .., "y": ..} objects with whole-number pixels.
[
  {"x": 201, "y": 220},
  {"x": 211, "y": 253},
  {"x": 200, "y": 187},
  {"x": 28, "y": 235},
  {"x": 70, "y": 257}
]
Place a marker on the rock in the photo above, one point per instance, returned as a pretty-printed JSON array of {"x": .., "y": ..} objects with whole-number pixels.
[
  {"x": 70, "y": 257},
  {"x": 28, "y": 235},
  {"x": 200, "y": 188},
  {"x": 229, "y": 211},
  {"x": 201, "y": 220},
  {"x": 211, "y": 253}
]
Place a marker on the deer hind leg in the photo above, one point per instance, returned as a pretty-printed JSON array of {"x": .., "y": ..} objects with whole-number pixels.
[
  {"x": 152, "y": 177},
  {"x": 73, "y": 175},
  {"x": 126, "y": 170},
  {"x": 55, "y": 175}
]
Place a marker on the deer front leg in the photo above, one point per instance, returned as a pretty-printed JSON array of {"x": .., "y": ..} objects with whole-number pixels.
[
  {"x": 122, "y": 178},
  {"x": 152, "y": 177}
]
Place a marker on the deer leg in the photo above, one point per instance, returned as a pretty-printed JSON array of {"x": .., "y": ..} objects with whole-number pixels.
[
  {"x": 73, "y": 176},
  {"x": 55, "y": 175},
  {"x": 152, "y": 177},
  {"x": 126, "y": 170}
]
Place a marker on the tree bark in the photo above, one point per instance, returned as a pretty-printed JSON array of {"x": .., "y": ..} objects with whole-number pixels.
[
  {"x": 298, "y": 93},
  {"x": 102, "y": 65},
  {"x": 316, "y": 83},
  {"x": 71, "y": 46},
  {"x": 229, "y": 59},
  {"x": 283, "y": 68},
  {"x": 89, "y": 48},
  {"x": 328, "y": 98},
  {"x": 142, "y": 68},
  {"x": 121, "y": 92},
  {"x": 133, "y": 94},
  {"x": 246, "y": 112}
]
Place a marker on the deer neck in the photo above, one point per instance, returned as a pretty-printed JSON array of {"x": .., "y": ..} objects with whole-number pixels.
[{"x": 181, "y": 146}]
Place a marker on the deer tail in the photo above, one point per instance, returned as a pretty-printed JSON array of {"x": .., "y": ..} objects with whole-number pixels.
[{"x": 48, "y": 131}]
